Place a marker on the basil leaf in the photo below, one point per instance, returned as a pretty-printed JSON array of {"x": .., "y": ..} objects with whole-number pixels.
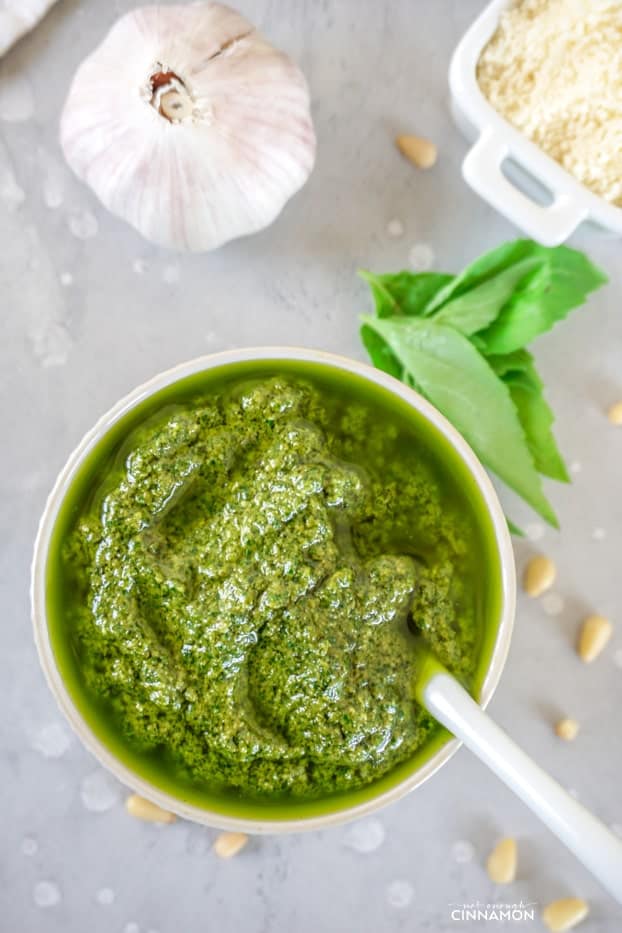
[
  {"x": 511, "y": 363},
  {"x": 526, "y": 389},
  {"x": 479, "y": 307},
  {"x": 560, "y": 283},
  {"x": 514, "y": 529},
  {"x": 462, "y": 385},
  {"x": 404, "y": 292},
  {"x": 380, "y": 353},
  {"x": 490, "y": 264},
  {"x": 488, "y": 312}
]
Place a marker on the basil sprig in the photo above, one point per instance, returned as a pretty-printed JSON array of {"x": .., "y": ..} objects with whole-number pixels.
[{"x": 460, "y": 341}]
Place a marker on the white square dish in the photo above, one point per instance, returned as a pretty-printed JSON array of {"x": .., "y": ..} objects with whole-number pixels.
[{"x": 497, "y": 141}]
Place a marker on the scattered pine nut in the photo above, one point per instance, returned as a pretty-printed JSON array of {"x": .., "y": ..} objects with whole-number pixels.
[
  {"x": 421, "y": 152},
  {"x": 614, "y": 413},
  {"x": 594, "y": 635},
  {"x": 229, "y": 844},
  {"x": 143, "y": 809},
  {"x": 501, "y": 863},
  {"x": 567, "y": 729},
  {"x": 565, "y": 914},
  {"x": 539, "y": 575}
]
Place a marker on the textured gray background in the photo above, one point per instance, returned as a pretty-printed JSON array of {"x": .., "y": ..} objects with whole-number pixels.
[{"x": 67, "y": 352}]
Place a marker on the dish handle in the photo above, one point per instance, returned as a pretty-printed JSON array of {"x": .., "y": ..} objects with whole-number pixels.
[{"x": 550, "y": 225}]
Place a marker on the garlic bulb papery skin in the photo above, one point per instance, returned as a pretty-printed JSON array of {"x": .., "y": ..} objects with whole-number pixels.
[
  {"x": 18, "y": 17},
  {"x": 189, "y": 125}
]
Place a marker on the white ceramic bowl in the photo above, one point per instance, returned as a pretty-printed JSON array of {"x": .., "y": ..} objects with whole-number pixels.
[
  {"x": 48, "y": 660},
  {"x": 497, "y": 141}
]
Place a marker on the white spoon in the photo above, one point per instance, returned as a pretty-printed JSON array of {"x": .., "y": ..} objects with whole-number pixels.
[{"x": 588, "y": 839}]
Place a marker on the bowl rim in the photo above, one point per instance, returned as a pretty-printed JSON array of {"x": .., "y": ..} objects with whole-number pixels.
[
  {"x": 480, "y": 113},
  {"x": 50, "y": 513}
]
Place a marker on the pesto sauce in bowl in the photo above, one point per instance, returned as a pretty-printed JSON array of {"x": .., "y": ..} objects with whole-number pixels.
[{"x": 237, "y": 576}]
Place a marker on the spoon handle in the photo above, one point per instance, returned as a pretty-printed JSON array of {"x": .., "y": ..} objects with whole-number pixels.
[{"x": 589, "y": 839}]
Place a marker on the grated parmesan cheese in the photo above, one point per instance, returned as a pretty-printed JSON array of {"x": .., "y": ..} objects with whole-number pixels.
[{"x": 554, "y": 70}]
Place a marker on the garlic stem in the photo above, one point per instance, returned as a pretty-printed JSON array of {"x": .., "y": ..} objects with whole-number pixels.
[
  {"x": 163, "y": 79},
  {"x": 176, "y": 105},
  {"x": 170, "y": 96}
]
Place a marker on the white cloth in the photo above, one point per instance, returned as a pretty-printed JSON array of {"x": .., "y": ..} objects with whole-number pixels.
[{"x": 18, "y": 17}]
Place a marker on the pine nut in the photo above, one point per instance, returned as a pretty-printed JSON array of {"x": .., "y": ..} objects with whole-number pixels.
[
  {"x": 614, "y": 413},
  {"x": 567, "y": 729},
  {"x": 565, "y": 914},
  {"x": 421, "y": 152},
  {"x": 229, "y": 844},
  {"x": 539, "y": 575},
  {"x": 594, "y": 635},
  {"x": 501, "y": 863},
  {"x": 143, "y": 809}
]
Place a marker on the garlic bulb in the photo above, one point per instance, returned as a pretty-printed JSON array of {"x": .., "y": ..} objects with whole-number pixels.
[
  {"x": 17, "y": 17},
  {"x": 189, "y": 125}
]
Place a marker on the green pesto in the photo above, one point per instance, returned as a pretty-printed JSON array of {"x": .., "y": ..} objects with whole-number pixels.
[{"x": 242, "y": 579}]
